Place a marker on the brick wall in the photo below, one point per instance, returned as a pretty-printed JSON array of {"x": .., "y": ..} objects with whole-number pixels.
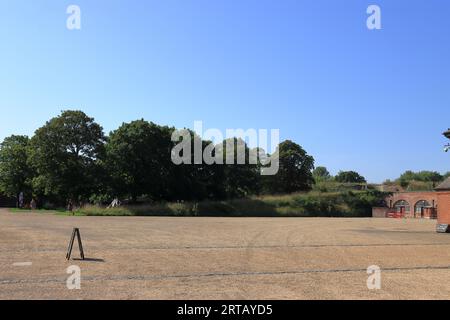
[
  {"x": 413, "y": 198},
  {"x": 444, "y": 207},
  {"x": 380, "y": 212}
]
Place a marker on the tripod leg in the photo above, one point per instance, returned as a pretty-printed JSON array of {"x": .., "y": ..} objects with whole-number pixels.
[
  {"x": 69, "y": 249},
  {"x": 80, "y": 244}
]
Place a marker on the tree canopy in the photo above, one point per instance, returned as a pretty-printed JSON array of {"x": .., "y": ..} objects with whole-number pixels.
[
  {"x": 15, "y": 174},
  {"x": 65, "y": 153},
  {"x": 70, "y": 158},
  {"x": 410, "y": 178},
  {"x": 350, "y": 177},
  {"x": 295, "y": 172},
  {"x": 321, "y": 174},
  {"x": 425, "y": 176},
  {"x": 138, "y": 159}
]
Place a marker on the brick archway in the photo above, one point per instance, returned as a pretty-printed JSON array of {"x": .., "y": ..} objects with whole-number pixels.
[
  {"x": 402, "y": 206},
  {"x": 413, "y": 199}
]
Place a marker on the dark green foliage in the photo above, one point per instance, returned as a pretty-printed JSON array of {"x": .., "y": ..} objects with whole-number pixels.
[
  {"x": 318, "y": 205},
  {"x": 423, "y": 176},
  {"x": 295, "y": 173},
  {"x": 64, "y": 155},
  {"x": 360, "y": 204},
  {"x": 349, "y": 177},
  {"x": 138, "y": 160},
  {"x": 321, "y": 174},
  {"x": 15, "y": 174},
  {"x": 196, "y": 181},
  {"x": 239, "y": 180},
  {"x": 347, "y": 204},
  {"x": 70, "y": 158},
  {"x": 420, "y": 181}
]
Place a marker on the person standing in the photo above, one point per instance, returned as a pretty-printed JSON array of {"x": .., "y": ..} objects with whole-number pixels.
[
  {"x": 33, "y": 204},
  {"x": 70, "y": 206},
  {"x": 21, "y": 200}
]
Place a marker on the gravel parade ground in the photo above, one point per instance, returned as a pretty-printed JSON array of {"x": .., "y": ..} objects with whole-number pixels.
[{"x": 222, "y": 258}]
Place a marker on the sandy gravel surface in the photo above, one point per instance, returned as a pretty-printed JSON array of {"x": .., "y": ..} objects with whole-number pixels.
[{"x": 222, "y": 258}]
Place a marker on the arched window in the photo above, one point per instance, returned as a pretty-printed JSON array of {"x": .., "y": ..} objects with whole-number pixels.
[
  {"x": 402, "y": 206},
  {"x": 420, "y": 205}
]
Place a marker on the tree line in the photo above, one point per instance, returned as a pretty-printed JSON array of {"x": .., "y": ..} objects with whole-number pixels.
[
  {"x": 71, "y": 158},
  {"x": 321, "y": 174},
  {"x": 419, "y": 181}
]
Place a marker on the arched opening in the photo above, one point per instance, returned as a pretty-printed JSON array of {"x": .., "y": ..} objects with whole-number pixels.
[
  {"x": 402, "y": 207},
  {"x": 420, "y": 208}
]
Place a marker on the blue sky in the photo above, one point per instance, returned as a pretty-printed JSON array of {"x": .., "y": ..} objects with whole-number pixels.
[{"x": 372, "y": 101}]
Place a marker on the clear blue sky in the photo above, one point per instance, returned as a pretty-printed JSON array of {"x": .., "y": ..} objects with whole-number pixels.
[{"x": 372, "y": 101}]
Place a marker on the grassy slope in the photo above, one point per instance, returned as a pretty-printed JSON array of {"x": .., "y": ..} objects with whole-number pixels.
[{"x": 313, "y": 204}]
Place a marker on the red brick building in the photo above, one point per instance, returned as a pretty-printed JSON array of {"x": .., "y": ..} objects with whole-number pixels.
[
  {"x": 428, "y": 205},
  {"x": 443, "y": 192},
  {"x": 420, "y": 205},
  {"x": 443, "y": 196}
]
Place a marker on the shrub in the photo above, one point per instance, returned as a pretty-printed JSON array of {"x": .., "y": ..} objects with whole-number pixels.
[{"x": 312, "y": 204}]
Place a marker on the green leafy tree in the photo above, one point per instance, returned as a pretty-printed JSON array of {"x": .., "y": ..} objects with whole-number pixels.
[
  {"x": 321, "y": 174},
  {"x": 15, "y": 174},
  {"x": 240, "y": 179},
  {"x": 424, "y": 176},
  {"x": 138, "y": 160},
  {"x": 361, "y": 203},
  {"x": 65, "y": 154},
  {"x": 197, "y": 181},
  {"x": 349, "y": 177},
  {"x": 295, "y": 171}
]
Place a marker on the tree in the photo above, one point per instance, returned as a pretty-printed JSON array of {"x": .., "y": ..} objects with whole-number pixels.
[
  {"x": 349, "y": 177},
  {"x": 215, "y": 177},
  {"x": 240, "y": 179},
  {"x": 425, "y": 176},
  {"x": 447, "y": 135},
  {"x": 65, "y": 154},
  {"x": 138, "y": 160},
  {"x": 15, "y": 174},
  {"x": 295, "y": 173},
  {"x": 410, "y": 178},
  {"x": 321, "y": 174},
  {"x": 196, "y": 181}
]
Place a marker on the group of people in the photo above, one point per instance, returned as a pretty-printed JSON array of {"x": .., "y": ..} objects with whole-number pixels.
[
  {"x": 70, "y": 205},
  {"x": 33, "y": 204},
  {"x": 21, "y": 203}
]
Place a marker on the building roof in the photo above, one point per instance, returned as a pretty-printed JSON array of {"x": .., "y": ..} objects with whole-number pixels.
[{"x": 444, "y": 185}]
